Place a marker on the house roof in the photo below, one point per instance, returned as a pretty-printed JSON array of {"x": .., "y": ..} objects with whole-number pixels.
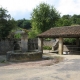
[
  {"x": 65, "y": 31},
  {"x": 19, "y": 31}
]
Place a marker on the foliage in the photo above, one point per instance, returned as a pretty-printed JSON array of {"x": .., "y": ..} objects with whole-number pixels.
[
  {"x": 17, "y": 33},
  {"x": 6, "y": 28},
  {"x": 17, "y": 36},
  {"x": 59, "y": 23},
  {"x": 65, "y": 20},
  {"x": 48, "y": 39},
  {"x": 3, "y": 61},
  {"x": 43, "y": 17},
  {"x": 69, "y": 41},
  {"x": 68, "y": 20},
  {"x": 32, "y": 34},
  {"x": 75, "y": 19},
  {"x": 6, "y": 24},
  {"x": 23, "y": 23},
  {"x": 47, "y": 47},
  {"x": 4, "y": 16}
]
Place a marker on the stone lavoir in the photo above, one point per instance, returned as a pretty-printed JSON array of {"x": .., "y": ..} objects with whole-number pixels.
[{"x": 60, "y": 33}]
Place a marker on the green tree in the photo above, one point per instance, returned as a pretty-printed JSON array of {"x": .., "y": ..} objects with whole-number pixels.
[
  {"x": 66, "y": 17},
  {"x": 6, "y": 24},
  {"x": 32, "y": 33},
  {"x": 26, "y": 24},
  {"x": 65, "y": 20},
  {"x": 59, "y": 23},
  {"x": 19, "y": 23},
  {"x": 43, "y": 17},
  {"x": 4, "y": 16},
  {"x": 23, "y": 23},
  {"x": 75, "y": 19}
]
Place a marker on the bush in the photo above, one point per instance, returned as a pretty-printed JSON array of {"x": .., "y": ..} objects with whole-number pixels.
[
  {"x": 69, "y": 41},
  {"x": 32, "y": 34},
  {"x": 17, "y": 36},
  {"x": 48, "y": 39},
  {"x": 47, "y": 47}
]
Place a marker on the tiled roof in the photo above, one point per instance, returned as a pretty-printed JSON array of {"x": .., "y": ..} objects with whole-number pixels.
[{"x": 66, "y": 31}]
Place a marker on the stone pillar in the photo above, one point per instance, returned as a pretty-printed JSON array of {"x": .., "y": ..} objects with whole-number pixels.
[
  {"x": 40, "y": 44},
  {"x": 24, "y": 45},
  {"x": 60, "y": 46},
  {"x": 77, "y": 41}
]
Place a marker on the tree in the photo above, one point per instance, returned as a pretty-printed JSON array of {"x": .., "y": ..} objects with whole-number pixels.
[
  {"x": 59, "y": 23},
  {"x": 43, "y": 17},
  {"x": 66, "y": 17},
  {"x": 23, "y": 23},
  {"x": 65, "y": 20},
  {"x": 75, "y": 19},
  {"x": 6, "y": 24},
  {"x": 4, "y": 16},
  {"x": 32, "y": 34}
]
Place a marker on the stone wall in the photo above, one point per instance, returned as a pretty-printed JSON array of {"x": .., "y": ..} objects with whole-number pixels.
[
  {"x": 9, "y": 45},
  {"x": 15, "y": 44},
  {"x": 24, "y": 44},
  {"x": 5, "y": 45},
  {"x": 32, "y": 44},
  {"x": 24, "y": 56},
  {"x": 49, "y": 42}
]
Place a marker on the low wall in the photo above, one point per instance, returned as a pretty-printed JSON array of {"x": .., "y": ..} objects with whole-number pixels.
[
  {"x": 27, "y": 56},
  {"x": 9, "y": 45},
  {"x": 5, "y": 45}
]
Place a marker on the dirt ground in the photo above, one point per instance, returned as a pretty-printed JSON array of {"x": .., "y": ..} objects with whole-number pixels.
[
  {"x": 47, "y": 60},
  {"x": 68, "y": 69}
]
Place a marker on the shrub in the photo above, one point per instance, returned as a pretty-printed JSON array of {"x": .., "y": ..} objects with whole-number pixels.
[
  {"x": 47, "y": 47},
  {"x": 69, "y": 41},
  {"x": 48, "y": 39},
  {"x": 17, "y": 36}
]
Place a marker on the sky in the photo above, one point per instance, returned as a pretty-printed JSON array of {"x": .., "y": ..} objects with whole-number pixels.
[{"x": 19, "y": 9}]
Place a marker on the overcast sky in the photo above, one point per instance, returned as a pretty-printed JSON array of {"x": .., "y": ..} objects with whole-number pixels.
[{"x": 20, "y": 9}]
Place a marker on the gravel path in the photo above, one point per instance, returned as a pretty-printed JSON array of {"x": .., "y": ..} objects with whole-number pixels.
[{"x": 69, "y": 69}]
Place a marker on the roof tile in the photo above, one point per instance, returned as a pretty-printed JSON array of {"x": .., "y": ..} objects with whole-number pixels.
[{"x": 66, "y": 31}]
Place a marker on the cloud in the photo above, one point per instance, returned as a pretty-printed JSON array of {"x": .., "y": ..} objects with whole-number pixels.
[
  {"x": 16, "y": 6},
  {"x": 69, "y": 7},
  {"x": 25, "y": 7},
  {"x": 22, "y": 6}
]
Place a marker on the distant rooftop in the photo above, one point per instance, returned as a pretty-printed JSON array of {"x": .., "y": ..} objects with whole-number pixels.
[{"x": 20, "y": 31}]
